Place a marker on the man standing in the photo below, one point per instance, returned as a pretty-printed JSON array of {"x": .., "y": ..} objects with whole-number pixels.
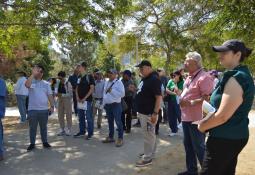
[
  {"x": 64, "y": 92},
  {"x": 98, "y": 97},
  {"x": 40, "y": 94},
  {"x": 148, "y": 100},
  {"x": 84, "y": 91},
  {"x": 3, "y": 93},
  {"x": 113, "y": 92},
  {"x": 21, "y": 92},
  {"x": 73, "y": 79},
  {"x": 197, "y": 88},
  {"x": 128, "y": 99}
]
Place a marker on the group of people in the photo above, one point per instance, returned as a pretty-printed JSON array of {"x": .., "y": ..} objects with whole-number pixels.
[{"x": 155, "y": 99}]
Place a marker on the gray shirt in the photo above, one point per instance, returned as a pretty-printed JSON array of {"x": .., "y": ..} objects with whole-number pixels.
[
  {"x": 38, "y": 95},
  {"x": 99, "y": 89}
]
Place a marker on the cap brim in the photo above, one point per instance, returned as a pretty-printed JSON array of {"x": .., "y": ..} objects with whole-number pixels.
[{"x": 220, "y": 48}]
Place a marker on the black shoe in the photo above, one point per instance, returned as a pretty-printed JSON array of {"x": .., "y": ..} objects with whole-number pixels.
[
  {"x": 128, "y": 131},
  {"x": 137, "y": 125},
  {"x": 31, "y": 147},
  {"x": 98, "y": 126},
  {"x": 46, "y": 145},
  {"x": 78, "y": 135}
]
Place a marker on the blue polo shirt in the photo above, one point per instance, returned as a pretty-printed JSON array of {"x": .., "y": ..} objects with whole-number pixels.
[{"x": 3, "y": 93}]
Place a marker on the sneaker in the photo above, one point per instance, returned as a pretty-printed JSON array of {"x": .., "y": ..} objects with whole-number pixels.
[
  {"x": 88, "y": 137},
  {"x": 78, "y": 135},
  {"x": 119, "y": 143},
  {"x": 46, "y": 145},
  {"x": 137, "y": 125},
  {"x": 68, "y": 132},
  {"x": 143, "y": 163},
  {"x": 172, "y": 134},
  {"x": 108, "y": 140},
  {"x": 1, "y": 158},
  {"x": 128, "y": 131},
  {"x": 61, "y": 133},
  {"x": 31, "y": 147},
  {"x": 142, "y": 154}
]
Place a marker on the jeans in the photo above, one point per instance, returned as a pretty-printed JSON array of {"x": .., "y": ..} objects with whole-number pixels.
[
  {"x": 86, "y": 115},
  {"x": 1, "y": 138},
  {"x": 221, "y": 156},
  {"x": 194, "y": 144},
  {"x": 21, "y": 99},
  {"x": 174, "y": 112},
  {"x": 113, "y": 112},
  {"x": 35, "y": 117}
]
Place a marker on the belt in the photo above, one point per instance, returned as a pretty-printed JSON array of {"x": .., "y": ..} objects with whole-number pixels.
[{"x": 98, "y": 98}]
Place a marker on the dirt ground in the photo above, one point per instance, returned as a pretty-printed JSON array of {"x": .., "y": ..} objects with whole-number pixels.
[{"x": 71, "y": 156}]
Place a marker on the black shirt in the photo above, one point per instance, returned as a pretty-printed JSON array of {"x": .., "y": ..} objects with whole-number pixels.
[
  {"x": 61, "y": 88},
  {"x": 73, "y": 80},
  {"x": 148, "y": 88},
  {"x": 83, "y": 86}
]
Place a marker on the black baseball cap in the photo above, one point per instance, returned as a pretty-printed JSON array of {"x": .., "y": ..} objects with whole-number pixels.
[
  {"x": 233, "y": 44},
  {"x": 144, "y": 63}
]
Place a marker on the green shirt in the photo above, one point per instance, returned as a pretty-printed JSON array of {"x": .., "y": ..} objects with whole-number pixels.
[
  {"x": 171, "y": 85},
  {"x": 237, "y": 126}
]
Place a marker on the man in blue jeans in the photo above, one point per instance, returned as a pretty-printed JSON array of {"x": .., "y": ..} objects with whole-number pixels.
[
  {"x": 40, "y": 94},
  {"x": 197, "y": 88},
  {"x": 113, "y": 92},
  {"x": 3, "y": 92},
  {"x": 84, "y": 91}
]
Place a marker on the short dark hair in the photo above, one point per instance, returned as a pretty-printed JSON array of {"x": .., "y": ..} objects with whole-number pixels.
[
  {"x": 83, "y": 64},
  {"x": 62, "y": 74},
  {"x": 40, "y": 66}
]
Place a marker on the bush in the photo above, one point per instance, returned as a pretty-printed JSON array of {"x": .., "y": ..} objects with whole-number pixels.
[{"x": 10, "y": 87}]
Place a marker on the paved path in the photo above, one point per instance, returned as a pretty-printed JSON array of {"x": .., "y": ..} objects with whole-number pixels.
[{"x": 71, "y": 156}]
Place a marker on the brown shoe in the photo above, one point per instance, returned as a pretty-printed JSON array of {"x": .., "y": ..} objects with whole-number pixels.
[
  {"x": 119, "y": 143},
  {"x": 108, "y": 140}
]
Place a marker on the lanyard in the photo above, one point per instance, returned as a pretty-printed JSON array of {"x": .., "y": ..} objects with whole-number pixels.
[{"x": 187, "y": 85}]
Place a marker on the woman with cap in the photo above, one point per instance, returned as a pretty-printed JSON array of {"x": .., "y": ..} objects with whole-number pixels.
[{"x": 232, "y": 98}]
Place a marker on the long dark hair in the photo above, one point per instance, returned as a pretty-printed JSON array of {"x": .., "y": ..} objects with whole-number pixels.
[{"x": 179, "y": 74}]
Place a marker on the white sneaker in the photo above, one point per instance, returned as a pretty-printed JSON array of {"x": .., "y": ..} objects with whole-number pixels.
[
  {"x": 180, "y": 126},
  {"x": 68, "y": 132},
  {"x": 61, "y": 133},
  {"x": 172, "y": 134}
]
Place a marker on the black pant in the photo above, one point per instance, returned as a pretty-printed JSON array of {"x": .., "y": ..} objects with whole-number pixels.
[
  {"x": 75, "y": 103},
  {"x": 221, "y": 156},
  {"x": 127, "y": 115}
]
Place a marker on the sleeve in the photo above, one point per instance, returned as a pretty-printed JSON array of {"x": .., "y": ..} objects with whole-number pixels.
[
  {"x": 18, "y": 85},
  {"x": 170, "y": 85},
  {"x": 156, "y": 87},
  {"x": 241, "y": 78},
  {"x": 118, "y": 90},
  {"x": 206, "y": 85},
  {"x": 49, "y": 91}
]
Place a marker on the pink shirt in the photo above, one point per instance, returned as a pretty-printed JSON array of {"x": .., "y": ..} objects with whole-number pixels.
[{"x": 198, "y": 84}]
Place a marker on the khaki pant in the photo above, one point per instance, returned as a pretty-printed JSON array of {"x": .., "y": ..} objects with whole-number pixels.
[
  {"x": 65, "y": 107},
  {"x": 98, "y": 112},
  {"x": 150, "y": 142}
]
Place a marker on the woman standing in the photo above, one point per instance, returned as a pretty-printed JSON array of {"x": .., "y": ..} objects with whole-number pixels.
[
  {"x": 174, "y": 89},
  {"x": 233, "y": 98}
]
